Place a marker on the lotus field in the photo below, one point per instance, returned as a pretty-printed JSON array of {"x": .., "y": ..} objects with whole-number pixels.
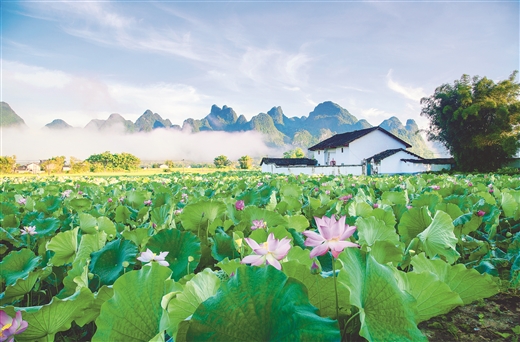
[{"x": 249, "y": 256}]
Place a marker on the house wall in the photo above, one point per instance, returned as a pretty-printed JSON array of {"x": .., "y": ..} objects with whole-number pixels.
[
  {"x": 355, "y": 170},
  {"x": 371, "y": 144},
  {"x": 393, "y": 164}
]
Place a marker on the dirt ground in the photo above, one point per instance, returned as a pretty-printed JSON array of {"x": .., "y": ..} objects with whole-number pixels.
[{"x": 493, "y": 319}]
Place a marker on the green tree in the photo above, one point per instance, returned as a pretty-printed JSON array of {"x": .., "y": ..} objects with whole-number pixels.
[
  {"x": 221, "y": 162},
  {"x": 246, "y": 162},
  {"x": 110, "y": 162},
  {"x": 7, "y": 164},
  {"x": 54, "y": 164},
  {"x": 477, "y": 120},
  {"x": 79, "y": 166},
  {"x": 296, "y": 153}
]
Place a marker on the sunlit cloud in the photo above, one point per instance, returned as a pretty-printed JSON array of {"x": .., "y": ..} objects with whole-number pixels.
[{"x": 409, "y": 92}]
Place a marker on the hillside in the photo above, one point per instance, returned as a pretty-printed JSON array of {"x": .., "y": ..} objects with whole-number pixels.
[
  {"x": 325, "y": 120},
  {"x": 8, "y": 118}
]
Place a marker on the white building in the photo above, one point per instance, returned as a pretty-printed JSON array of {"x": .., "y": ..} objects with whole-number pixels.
[{"x": 368, "y": 151}]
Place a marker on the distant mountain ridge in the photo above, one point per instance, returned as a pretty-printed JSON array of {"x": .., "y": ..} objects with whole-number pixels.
[
  {"x": 327, "y": 119},
  {"x": 8, "y": 118}
]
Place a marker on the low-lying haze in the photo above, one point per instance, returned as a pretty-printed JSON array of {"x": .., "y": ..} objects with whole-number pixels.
[{"x": 38, "y": 144}]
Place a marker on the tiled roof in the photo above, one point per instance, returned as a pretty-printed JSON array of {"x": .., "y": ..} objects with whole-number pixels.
[
  {"x": 289, "y": 161},
  {"x": 385, "y": 154},
  {"x": 344, "y": 139}
]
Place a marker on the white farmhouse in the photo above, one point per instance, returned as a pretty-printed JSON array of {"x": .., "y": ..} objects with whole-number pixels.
[{"x": 368, "y": 151}]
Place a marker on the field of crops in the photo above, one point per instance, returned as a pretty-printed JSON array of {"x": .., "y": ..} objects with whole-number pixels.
[{"x": 249, "y": 256}]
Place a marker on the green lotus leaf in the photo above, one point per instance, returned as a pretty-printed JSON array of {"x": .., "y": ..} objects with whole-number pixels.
[
  {"x": 77, "y": 275},
  {"x": 467, "y": 283},
  {"x": 134, "y": 312},
  {"x": 386, "y": 312},
  {"x": 87, "y": 223},
  {"x": 198, "y": 216},
  {"x": 271, "y": 218},
  {"x": 300, "y": 255},
  {"x": 298, "y": 223},
  {"x": 106, "y": 225},
  {"x": 434, "y": 297},
  {"x": 47, "y": 320},
  {"x": 487, "y": 197},
  {"x": 7, "y": 208},
  {"x": 291, "y": 190},
  {"x": 413, "y": 222},
  {"x": 439, "y": 238},
  {"x": 264, "y": 297},
  {"x": 137, "y": 198},
  {"x": 371, "y": 229},
  {"x": 80, "y": 204},
  {"x": 180, "y": 247},
  {"x": 48, "y": 205},
  {"x": 230, "y": 266},
  {"x": 426, "y": 200},
  {"x": 385, "y": 215},
  {"x": 223, "y": 246},
  {"x": 46, "y": 226},
  {"x": 23, "y": 285},
  {"x": 319, "y": 289},
  {"x": 10, "y": 221},
  {"x": 102, "y": 295},
  {"x": 107, "y": 263},
  {"x": 385, "y": 252},
  {"x": 162, "y": 216},
  {"x": 64, "y": 245},
  {"x": 122, "y": 214},
  {"x": 450, "y": 208},
  {"x": 509, "y": 205},
  {"x": 17, "y": 265},
  {"x": 394, "y": 197},
  {"x": 362, "y": 209},
  {"x": 201, "y": 287},
  {"x": 139, "y": 236}
]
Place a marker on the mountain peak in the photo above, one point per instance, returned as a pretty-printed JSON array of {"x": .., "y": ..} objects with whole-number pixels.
[
  {"x": 58, "y": 124},
  {"x": 277, "y": 114}
]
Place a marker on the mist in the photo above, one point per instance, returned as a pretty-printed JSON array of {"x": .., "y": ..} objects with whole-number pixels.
[{"x": 159, "y": 145}]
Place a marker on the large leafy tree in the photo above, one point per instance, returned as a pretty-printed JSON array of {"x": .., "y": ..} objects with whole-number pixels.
[
  {"x": 221, "y": 161},
  {"x": 477, "y": 120}
]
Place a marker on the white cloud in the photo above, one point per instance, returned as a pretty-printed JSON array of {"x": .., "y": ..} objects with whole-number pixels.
[
  {"x": 409, "y": 92},
  {"x": 157, "y": 145},
  {"x": 40, "y": 95}
]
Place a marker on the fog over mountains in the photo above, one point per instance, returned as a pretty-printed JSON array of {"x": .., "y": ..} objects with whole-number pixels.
[{"x": 276, "y": 129}]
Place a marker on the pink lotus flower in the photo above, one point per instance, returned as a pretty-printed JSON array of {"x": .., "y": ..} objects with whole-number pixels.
[
  {"x": 269, "y": 252},
  {"x": 470, "y": 184},
  {"x": 375, "y": 205},
  {"x": 327, "y": 192},
  {"x": 435, "y": 187},
  {"x": 31, "y": 230},
  {"x": 150, "y": 256},
  {"x": 109, "y": 200},
  {"x": 80, "y": 192},
  {"x": 345, "y": 198},
  {"x": 258, "y": 224},
  {"x": 239, "y": 205},
  {"x": 481, "y": 213},
  {"x": 148, "y": 202},
  {"x": 121, "y": 199},
  {"x": 332, "y": 236},
  {"x": 66, "y": 193},
  {"x": 259, "y": 184},
  {"x": 177, "y": 212},
  {"x": 10, "y": 327},
  {"x": 22, "y": 201}
]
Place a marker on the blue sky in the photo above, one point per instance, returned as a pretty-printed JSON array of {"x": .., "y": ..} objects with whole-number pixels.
[{"x": 85, "y": 60}]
